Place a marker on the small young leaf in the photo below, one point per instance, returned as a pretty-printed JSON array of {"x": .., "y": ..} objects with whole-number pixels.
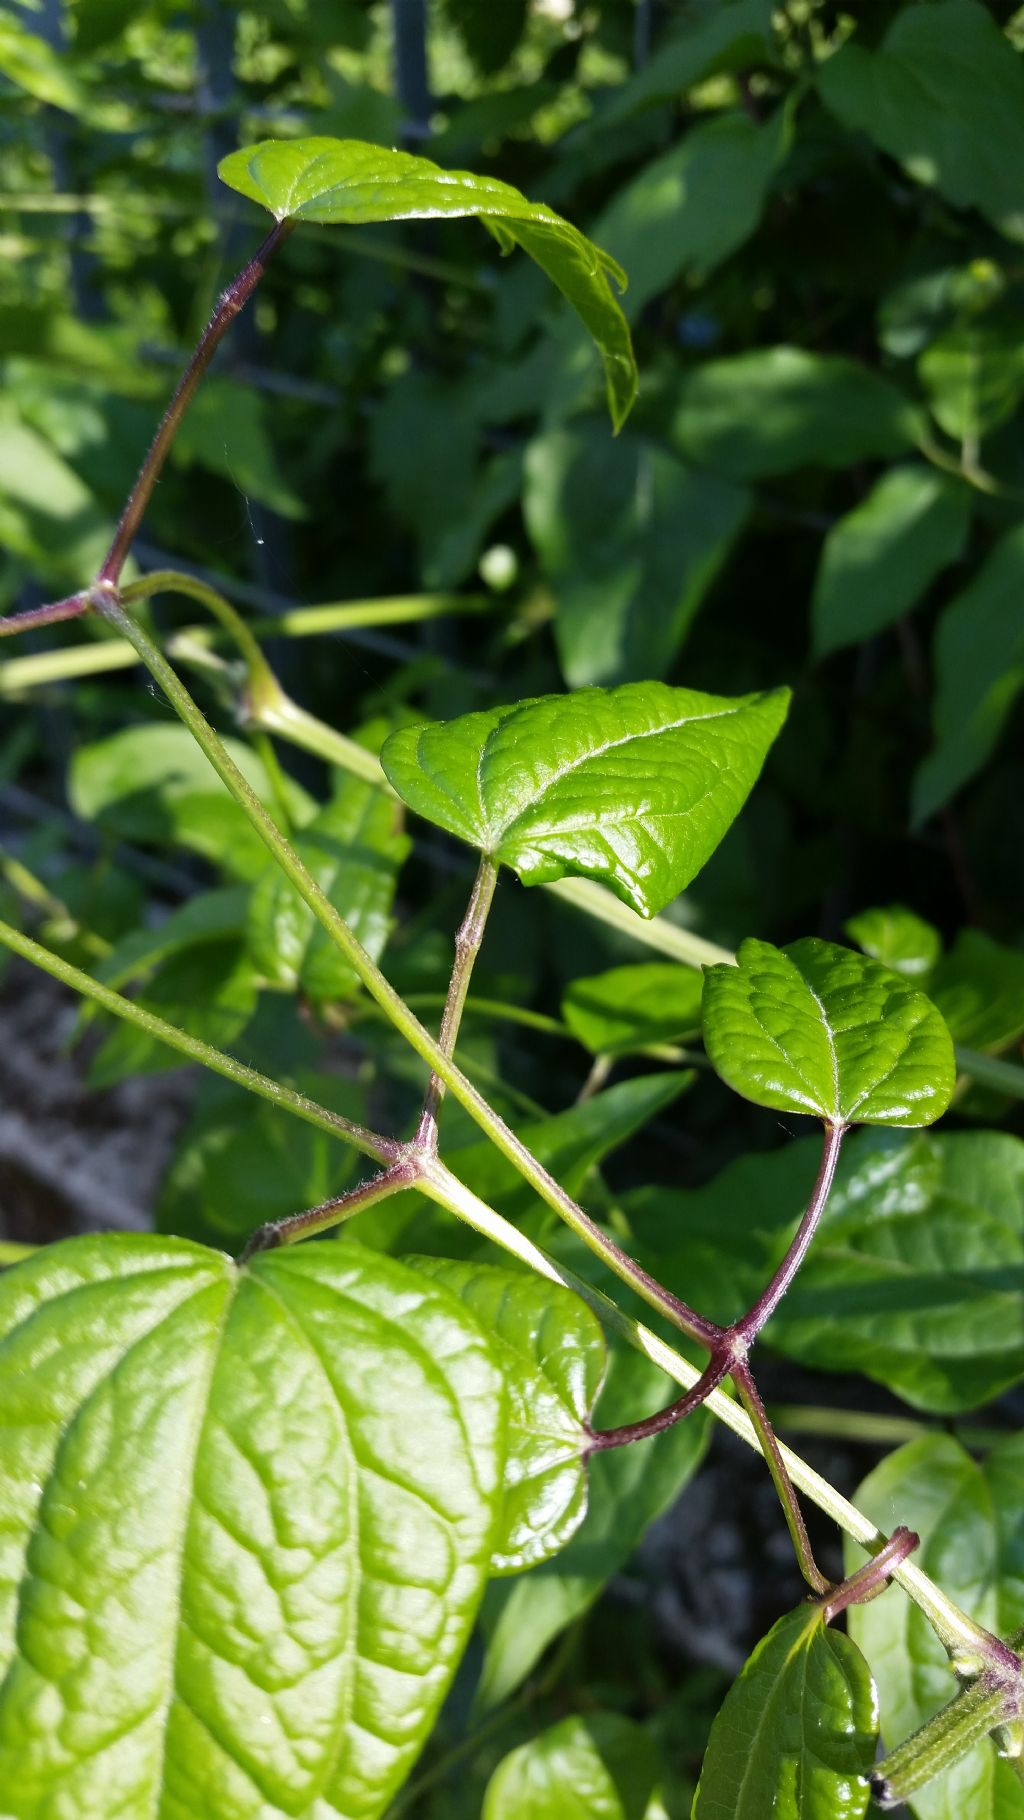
[
  {"x": 878, "y": 560},
  {"x": 796, "y": 1736},
  {"x": 355, "y": 848},
  {"x": 551, "y": 1353},
  {"x": 601, "y": 1767},
  {"x": 819, "y": 1029},
  {"x": 628, "y": 1008},
  {"x": 967, "y": 1514},
  {"x": 243, "y": 1554},
  {"x": 633, "y": 786},
  {"x": 347, "y": 180},
  {"x": 898, "y": 938}
]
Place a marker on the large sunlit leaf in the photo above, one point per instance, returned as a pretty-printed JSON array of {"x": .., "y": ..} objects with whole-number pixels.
[
  {"x": 777, "y": 409},
  {"x": 597, "y": 1767},
  {"x": 944, "y": 94},
  {"x": 878, "y": 561},
  {"x": 349, "y": 181},
  {"x": 628, "y": 1008},
  {"x": 246, "y": 1522},
  {"x": 967, "y": 1514},
  {"x": 633, "y": 786},
  {"x": 796, "y": 1736},
  {"x": 550, "y": 1350},
  {"x": 819, "y": 1029},
  {"x": 630, "y": 540},
  {"x": 979, "y": 672},
  {"x": 629, "y": 1488},
  {"x": 355, "y": 847}
]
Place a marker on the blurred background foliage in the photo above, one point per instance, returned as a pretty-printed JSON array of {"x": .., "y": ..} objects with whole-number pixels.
[{"x": 821, "y": 213}]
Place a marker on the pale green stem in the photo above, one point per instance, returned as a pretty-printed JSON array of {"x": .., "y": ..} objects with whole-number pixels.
[
  {"x": 106, "y": 602},
  {"x": 991, "y": 1071},
  {"x": 957, "y": 1631},
  {"x": 261, "y": 679},
  {"x": 283, "y": 716},
  {"x": 382, "y": 1149},
  {"x": 467, "y": 946}
]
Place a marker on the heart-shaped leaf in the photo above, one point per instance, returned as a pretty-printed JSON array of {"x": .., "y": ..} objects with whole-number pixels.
[
  {"x": 632, "y": 786},
  {"x": 247, "y": 1518},
  {"x": 629, "y": 1008},
  {"x": 347, "y": 180},
  {"x": 551, "y": 1353},
  {"x": 817, "y": 1028},
  {"x": 601, "y": 1767},
  {"x": 967, "y": 1515},
  {"x": 796, "y": 1735}
]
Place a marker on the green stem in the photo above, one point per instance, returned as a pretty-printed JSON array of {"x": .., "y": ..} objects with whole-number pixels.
[
  {"x": 956, "y": 1630},
  {"x": 384, "y": 993},
  {"x": 261, "y": 679},
  {"x": 284, "y": 717},
  {"x": 467, "y": 946},
  {"x": 940, "y": 1743},
  {"x": 381, "y": 1148},
  {"x": 990, "y": 1071},
  {"x": 297, "y": 1226}
]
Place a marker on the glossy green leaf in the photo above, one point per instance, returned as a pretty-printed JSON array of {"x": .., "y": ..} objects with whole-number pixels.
[
  {"x": 778, "y": 409},
  {"x": 687, "y": 211},
  {"x": 347, "y": 180},
  {"x": 916, "y": 1275},
  {"x": 630, "y": 540},
  {"x": 819, "y": 1029},
  {"x": 355, "y": 847},
  {"x": 629, "y": 1488},
  {"x": 944, "y": 94},
  {"x": 628, "y": 1008},
  {"x": 593, "y": 1767},
  {"x": 967, "y": 1514},
  {"x": 550, "y": 1351},
  {"x": 979, "y": 988},
  {"x": 973, "y": 376},
  {"x": 898, "y": 938},
  {"x": 796, "y": 1736},
  {"x": 310, "y": 1453},
  {"x": 881, "y": 558},
  {"x": 238, "y": 1163},
  {"x": 633, "y": 786},
  {"x": 979, "y": 672},
  {"x": 152, "y": 784}
]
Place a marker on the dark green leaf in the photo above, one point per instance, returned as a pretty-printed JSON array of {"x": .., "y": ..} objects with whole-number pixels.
[
  {"x": 633, "y": 786},
  {"x": 210, "y": 916},
  {"x": 777, "y": 409},
  {"x": 819, "y": 1029},
  {"x": 310, "y": 1452},
  {"x": 628, "y": 1008},
  {"x": 979, "y": 669},
  {"x": 550, "y": 1351},
  {"x": 898, "y": 938},
  {"x": 489, "y": 33},
  {"x": 878, "y": 561},
  {"x": 600, "y": 1767},
  {"x": 346, "y": 180},
  {"x": 974, "y": 378},
  {"x": 355, "y": 848},
  {"x": 968, "y": 1517},
  {"x": 208, "y": 989},
  {"x": 631, "y": 540},
  {"x": 979, "y": 988},
  {"x": 796, "y": 1736},
  {"x": 153, "y": 784},
  {"x": 944, "y": 94},
  {"x": 238, "y": 1163},
  {"x": 629, "y": 1488},
  {"x": 225, "y": 431},
  {"x": 726, "y": 35},
  {"x": 686, "y": 211}
]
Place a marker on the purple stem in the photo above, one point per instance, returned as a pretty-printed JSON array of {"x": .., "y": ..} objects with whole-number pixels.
[
  {"x": 50, "y": 615},
  {"x": 874, "y": 1577},
  {"x": 467, "y": 947},
  {"x": 602, "y": 1438},
  {"x": 746, "y": 1330},
  {"x": 233, "y": 300},
  {"x": 402, "y": 1174}
]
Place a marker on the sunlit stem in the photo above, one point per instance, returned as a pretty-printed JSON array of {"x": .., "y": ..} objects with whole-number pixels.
[
  {"x": 467, "y": 947},
  {"x": 941, "y": 1742},
  {"x": 261, "y": 680},
  {"x": 601, "y": 1439},
  {"x": 383, "y": 1149},
  {"x": 394, "y": 1007},
  {"x": 231, "y": 303}
]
